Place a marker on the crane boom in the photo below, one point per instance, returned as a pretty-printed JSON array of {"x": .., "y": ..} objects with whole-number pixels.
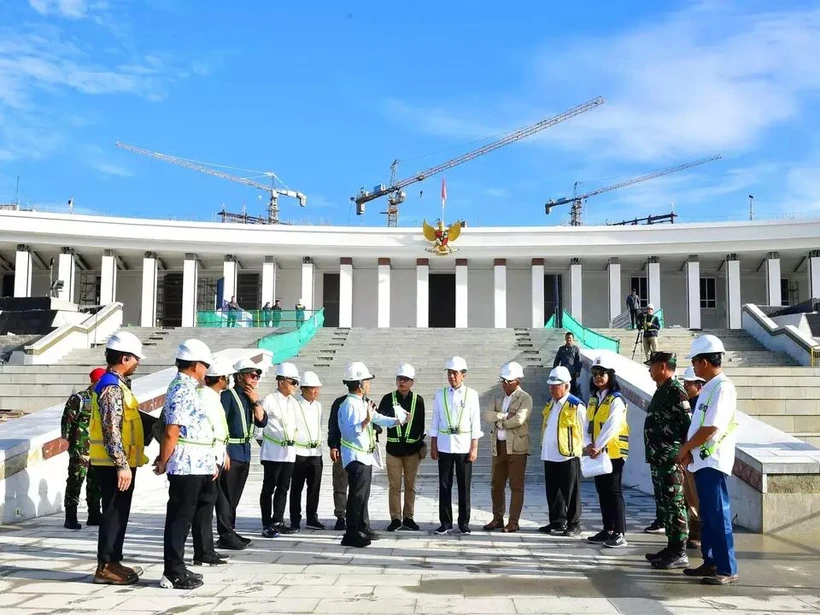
[
  {"x": 395, "y": 189},
  {"x": 272, "y": 191}
]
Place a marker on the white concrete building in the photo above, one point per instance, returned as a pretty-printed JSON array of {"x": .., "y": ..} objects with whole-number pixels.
[{"x": 164, "y": 271}]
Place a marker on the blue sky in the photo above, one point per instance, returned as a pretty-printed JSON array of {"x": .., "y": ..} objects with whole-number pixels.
[{"x": 327, "y": 96}]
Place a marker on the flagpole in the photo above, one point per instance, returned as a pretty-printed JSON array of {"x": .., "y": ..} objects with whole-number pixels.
[{"x": 443, "y": 198}]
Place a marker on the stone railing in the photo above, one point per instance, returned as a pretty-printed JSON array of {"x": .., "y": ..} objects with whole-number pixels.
[{"x": 787, "y": 339}]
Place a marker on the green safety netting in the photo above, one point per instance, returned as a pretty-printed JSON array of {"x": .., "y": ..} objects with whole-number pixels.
[
  {"x": 587, "y": 337},
  {"x": 284, "y": 319},
  {"x": 285, "y": 346}
]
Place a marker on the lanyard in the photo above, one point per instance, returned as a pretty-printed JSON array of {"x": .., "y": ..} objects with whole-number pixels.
[
  {"x": 706, "y": 450},
  {"x": 311, "y": 443},
  {"x": 288, "y": 440},
  {"x": 457, "y": 428}
]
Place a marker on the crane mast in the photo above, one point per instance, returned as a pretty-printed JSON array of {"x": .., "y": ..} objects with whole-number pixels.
[
  {"x": 273, "y": 192},
  {"x": 395, "y": 191}
]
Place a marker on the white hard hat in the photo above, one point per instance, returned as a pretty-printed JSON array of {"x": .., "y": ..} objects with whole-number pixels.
[
  {"x": 650, "y": 306},
  {"x": 310, "y": 379},
  {"x": 457, "y": 364},
  {"x": 123, "y": 341},
  {"x": 287, "y": 370},
  {"x": 194, "y": 350},
  {"x": 559, "y": 375},
  {"x": 512, "y": 371},
  {"x": 407, "y": 371},
  {"x": 357, "y": 371},
  {"x": 220, "y": 367},
  {"x": 246, "y": 365},
  {"x": 705, "y": 344},
  {"x": 689, "y": 376},
  {"x": 605, "y": 360}
]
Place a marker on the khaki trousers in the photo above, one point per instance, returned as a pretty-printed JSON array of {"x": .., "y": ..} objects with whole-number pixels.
[
  {"x": 690, "y": 494},
  {"x": 339, "y": 490},
  {"x": 507, "y": 467},
  {"x": 398, "y": 467},
  {"x": 650, "y": 345}
]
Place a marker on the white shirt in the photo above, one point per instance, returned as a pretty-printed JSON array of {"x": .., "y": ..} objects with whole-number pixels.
[
  {"x": 609, "y": 429},
  {"x": 352, "y": 414},
  {"x": 465, "y": 415},
  {"x": 308, "y": 428},
  {"x": 549, "y": 441},
  {"x": 717, "y": 405},
  {"x": 212, "y": 404},
  {"x": 501, "y": 434},
  {"x": 281, "y": 427}
]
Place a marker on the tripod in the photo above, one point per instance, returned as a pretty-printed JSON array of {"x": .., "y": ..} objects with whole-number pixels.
[{"x": 638, "y": 340}]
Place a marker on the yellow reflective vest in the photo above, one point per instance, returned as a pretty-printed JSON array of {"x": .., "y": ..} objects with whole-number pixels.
[
  {"x": 597, "y": 415},
  {"x": 570, "y": 440},
  {"x": 133, "y": 437}
]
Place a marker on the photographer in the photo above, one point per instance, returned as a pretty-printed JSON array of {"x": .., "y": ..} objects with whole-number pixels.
[{"x": 650, "y": 325}]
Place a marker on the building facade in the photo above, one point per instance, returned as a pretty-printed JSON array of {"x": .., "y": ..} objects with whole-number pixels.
[{"x": 164, "y": 271}]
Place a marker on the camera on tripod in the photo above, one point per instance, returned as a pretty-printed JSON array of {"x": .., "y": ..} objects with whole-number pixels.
[{"x": 641, "y": 318}]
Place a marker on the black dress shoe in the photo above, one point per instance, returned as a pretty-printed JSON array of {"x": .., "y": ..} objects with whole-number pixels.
[
  {"x": 357, "y": 541},
  {"x": 394, "y": 525},
  {"x": 371, "y": 535},
  {"x": 315, "y": 524},
  {"x": 231, "y": 542},
  {"x": 340, "y": 526},
  {"x": 411, "y": 525}
]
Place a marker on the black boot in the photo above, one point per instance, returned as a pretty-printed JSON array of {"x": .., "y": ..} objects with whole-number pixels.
[
  {"x": 71, "y": 522},
  {"x": 94, "y": 515},
  {"x": 675, "y": 557}
]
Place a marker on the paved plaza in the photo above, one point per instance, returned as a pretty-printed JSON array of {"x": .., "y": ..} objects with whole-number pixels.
[{"x": 47, "y": 569}]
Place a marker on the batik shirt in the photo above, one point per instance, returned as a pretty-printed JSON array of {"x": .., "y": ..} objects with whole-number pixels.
[{"x": 193, "y": 454}]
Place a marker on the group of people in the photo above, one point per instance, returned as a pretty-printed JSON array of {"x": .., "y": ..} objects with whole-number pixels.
[
  {"x": 208, "y": 423},
  {"x": 646, "y": 321},
  {"x": 269, "y": 316}
]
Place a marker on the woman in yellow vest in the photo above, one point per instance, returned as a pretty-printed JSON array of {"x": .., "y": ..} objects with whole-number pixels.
[{"x": 608, "y": 434}]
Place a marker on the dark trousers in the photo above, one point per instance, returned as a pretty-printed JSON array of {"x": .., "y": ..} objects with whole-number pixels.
[
  {"x": 633, "y": 317},
  {"x": 464, "y": 477},
  {"x": 340, "y": 490},
  {"x": 563, "y": 480},
  {"x": 717, "y": 541},
  {"x": 275, "y": 488},
  {"x": 80, "y": 470},
  {"x": 231, "y": 486},
  {"x": 116, "y": 508},
  {"x": 305, "y": 470},
  {"x": 191, "y": 501},
  {"x": 359, "y": 477},
  {"x": 611, "y": 498}
]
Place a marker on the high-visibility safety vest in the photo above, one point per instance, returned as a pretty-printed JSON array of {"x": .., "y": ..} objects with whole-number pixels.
[
  {"x": 372, "y": 437},
  {"x": 133, "y": 437},
  {"x": 289, "y": 439},
  {"x": 311, "y": 442},
  {"x": 453, "y": 428},
  {"x": 403, "y": 434},
  {"x": 570, "y": 440},
  {"x": 246, "y": 427},
  {"x": 597, "y": 415},
  {"x": 708, "y": 451}
]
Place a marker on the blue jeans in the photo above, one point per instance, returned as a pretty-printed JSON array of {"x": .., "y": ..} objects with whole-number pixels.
[{"x": 717, "y": 541}]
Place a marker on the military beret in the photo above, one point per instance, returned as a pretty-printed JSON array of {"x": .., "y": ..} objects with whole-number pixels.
[{"x": 662, "y": 357}]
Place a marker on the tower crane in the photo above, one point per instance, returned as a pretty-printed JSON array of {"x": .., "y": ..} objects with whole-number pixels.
[
  {"x": 577, "y": 201},
  {"x": 395, "y": 191},
  {"x": 273, "y": 192}
]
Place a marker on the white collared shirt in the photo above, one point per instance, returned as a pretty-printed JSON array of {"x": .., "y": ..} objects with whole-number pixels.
[
  {"x": 465, "y": 415},
  {"x": 717, "y": 406},
  {"x": 549, "y": 440},
  {"x": 357, "y": 442},
  {"x": 308, "y": 428},
  {"x": 501, "y": 434},
  {"x": 212, "y": 403},
  {"x": 281, "y": 427}
]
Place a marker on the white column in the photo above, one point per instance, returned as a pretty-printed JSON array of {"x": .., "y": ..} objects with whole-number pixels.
[
  {"x": 814, "y": 274},
  {"x": 108, "y": 278},
  {"x": 346, "y": 292},
  {"x": 383, "y": 304},
  {"x": 537, "y": 275},
  {"x": 307, "y": 283},
  {"x": 653, "y": 275},
  {"x": 693, "y": 292},
  {"x": 575, "y": 291},
  {"x": 500, "y": 293},
  {"x": 733, "y": 306},
  {"x": 67, "y": 272},
  {"x": 461, "y": 293},
  {"x": 614, "y": 271},
  {"x": 230, "y": 271},
  {"x": 269, "y": 271},
  {"x": 22, "y": 271},
  {"x": 148, "y": 315},
  {"x": 422, "y": 293},
  {"x": 773, "y": 279},
  {"x": 190, "y": 287}
]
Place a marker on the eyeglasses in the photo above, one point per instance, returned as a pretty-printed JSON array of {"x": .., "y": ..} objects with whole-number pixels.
[
  {"x": 598, "y": 372},
  {"x": 505, "y": 381},
  {"x": 403, "y": 379},
  {"x": 291, "y": 381},
  {"x": 207, "y": 365},
  {"x": 253, "y": 376}
]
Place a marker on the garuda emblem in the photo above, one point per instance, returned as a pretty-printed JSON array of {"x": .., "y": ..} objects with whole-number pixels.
[{"x": 441, "y": 238}]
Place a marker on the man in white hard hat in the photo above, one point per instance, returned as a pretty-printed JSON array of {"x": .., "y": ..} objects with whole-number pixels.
[
  {"x": 651, "y": 326},
  {"x": 709, "y": 453},
  {"x": 278, "y": 452},
  {"x": 243, "y": 411},
  {"x": 693, "y": 384},
  {"x": 217, "y": 380},
  {"x": 562, "y": 444},
  {"x": 116, "y": 450},
  {"x": 509, "y": 416},
  {"x": 358, "y": 442},
  {"x": 307, "y": 469},
  {"x": 186, "y": 454},
  {"x": 405, "y": 448},
  {"x": 454, "y": 434}
]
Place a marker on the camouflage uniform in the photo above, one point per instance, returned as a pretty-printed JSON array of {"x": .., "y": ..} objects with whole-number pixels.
[
  {"x": 74, "y": 428},
  {"x": 665, "y": 429}
]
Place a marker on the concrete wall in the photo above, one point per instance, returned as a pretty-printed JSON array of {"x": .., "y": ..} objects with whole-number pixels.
[
  {"x": 519, "y": 297},
  {"x": 366, "y": 296},
  {"x": 129, "y": 293},
  {"x": 480, "y": 287},
  {"x": 402, "y": 297},
  {"x": 595, "y": 296}
]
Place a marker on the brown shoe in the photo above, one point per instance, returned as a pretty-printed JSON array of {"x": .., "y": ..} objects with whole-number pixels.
[
  {"x": 511, "y": 527},
  {"x": 704, "y": 570},
  {"x": 719, "y": 579},
  {"x": 110, "y": 574},
  {"x": 495, "y": 524},
  {"x": 130, "y": 570}
]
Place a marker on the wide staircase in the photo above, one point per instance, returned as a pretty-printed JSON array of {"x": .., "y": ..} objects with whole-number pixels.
[
  {"x": 485, "y": 350},
  {"x": 26, "y": 389}
]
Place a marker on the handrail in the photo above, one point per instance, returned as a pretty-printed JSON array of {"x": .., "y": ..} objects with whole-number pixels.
[
  {"x": 805, "y": 344},
  {"x": 252, "y": 318},
  {"x": 285, "y": 346},
  {"x": 588, "y": 337}
]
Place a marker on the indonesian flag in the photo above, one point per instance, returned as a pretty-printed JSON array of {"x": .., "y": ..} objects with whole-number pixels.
[{"x": 443, "y": 191}]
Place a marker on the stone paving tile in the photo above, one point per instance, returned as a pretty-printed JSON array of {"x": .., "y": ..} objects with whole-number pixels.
[{"x": 365, "y": 606}]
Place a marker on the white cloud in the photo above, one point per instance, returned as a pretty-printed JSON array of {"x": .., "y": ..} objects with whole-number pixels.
[
  {"x": 71, "y": 9},
  {"x": 108, "y": 168}
]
